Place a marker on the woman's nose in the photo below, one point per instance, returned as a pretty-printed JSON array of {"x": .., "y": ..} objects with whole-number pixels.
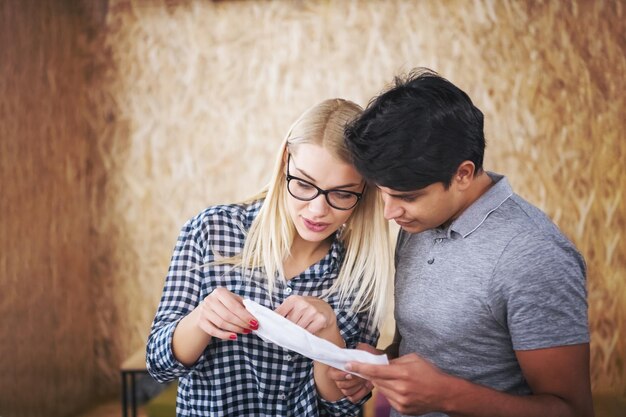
[{"x": 319, "y": 205}]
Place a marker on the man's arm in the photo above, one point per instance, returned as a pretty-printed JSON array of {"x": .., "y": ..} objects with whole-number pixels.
[{"x": 558, "y": 378}]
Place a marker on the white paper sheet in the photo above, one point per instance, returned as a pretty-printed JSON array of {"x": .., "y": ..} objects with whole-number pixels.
[{"x": 277, "y": 329}]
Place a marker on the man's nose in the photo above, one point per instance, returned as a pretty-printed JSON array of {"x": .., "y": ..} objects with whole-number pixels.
[{"x": 392, "y": 209}]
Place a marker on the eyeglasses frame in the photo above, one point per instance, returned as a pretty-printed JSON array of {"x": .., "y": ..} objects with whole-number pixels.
[{"x": 319, "y": 190}]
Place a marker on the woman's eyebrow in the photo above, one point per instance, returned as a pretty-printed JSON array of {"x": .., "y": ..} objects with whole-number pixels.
[{"x": 352, "y": 184}]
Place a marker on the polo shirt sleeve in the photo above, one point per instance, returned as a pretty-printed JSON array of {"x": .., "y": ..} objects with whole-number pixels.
[{"x": 538, "y": 292}]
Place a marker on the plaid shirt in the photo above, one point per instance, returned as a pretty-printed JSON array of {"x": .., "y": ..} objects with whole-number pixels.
[{"x": 245, "y": 377}]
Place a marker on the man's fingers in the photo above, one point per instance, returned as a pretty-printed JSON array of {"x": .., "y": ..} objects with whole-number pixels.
[
  {"x": 368, "y": 371},
  {"x": 412, "y": 357},
  {"x": 385, "y": 384}
]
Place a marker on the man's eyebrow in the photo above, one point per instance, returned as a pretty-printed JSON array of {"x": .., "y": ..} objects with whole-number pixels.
[
  {"x": 405, "y": 194},
  {"x": 352, "y": 184}
]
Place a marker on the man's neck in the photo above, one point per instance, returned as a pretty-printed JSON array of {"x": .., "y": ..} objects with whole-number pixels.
[{"x": 481, "y": 183}]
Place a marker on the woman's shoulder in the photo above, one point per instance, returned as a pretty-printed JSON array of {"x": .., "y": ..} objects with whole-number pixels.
[{"x": 226, "y": 216}]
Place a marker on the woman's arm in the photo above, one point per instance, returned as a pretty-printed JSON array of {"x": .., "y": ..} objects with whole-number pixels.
[
  {"x": 318, "y": 317},
  {"x": 325, "y": 385}
]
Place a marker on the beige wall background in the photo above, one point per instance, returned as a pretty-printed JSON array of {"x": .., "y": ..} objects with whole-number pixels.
[{"x": 119, "y": 120}]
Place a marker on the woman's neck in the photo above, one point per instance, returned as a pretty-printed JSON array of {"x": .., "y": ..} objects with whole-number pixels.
[{"x": 303, "y": 255}]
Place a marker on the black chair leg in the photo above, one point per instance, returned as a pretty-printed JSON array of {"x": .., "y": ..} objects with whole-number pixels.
[{"x": 124, "y": 396}]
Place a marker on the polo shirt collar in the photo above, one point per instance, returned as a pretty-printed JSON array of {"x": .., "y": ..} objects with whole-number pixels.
[{"x": 475, "y": 215}]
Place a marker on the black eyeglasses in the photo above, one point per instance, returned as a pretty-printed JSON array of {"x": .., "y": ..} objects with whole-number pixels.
[{"x": 305, "y": 191}]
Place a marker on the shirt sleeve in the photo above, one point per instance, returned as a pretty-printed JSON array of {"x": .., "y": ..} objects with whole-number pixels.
[
  {"x": 538, "y": 291},
  {"x": 341, "y": 408},
  {"x": 180, "y": 296}
]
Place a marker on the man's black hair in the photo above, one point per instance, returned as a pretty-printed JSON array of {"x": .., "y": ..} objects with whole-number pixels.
[{"x": 417, "y": 133}]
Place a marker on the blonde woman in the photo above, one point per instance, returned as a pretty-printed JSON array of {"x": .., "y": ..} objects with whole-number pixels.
[{"x": 313, "y": 246}]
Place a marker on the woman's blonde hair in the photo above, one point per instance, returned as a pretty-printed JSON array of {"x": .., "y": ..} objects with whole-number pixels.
[{"x": 367, "y": 270}]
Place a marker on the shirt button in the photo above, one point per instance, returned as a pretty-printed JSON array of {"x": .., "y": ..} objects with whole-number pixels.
[
  {"x": 282, "y": 396},
  {"x": 288, "y": 290},
  {"x": 430, "y": 261}
]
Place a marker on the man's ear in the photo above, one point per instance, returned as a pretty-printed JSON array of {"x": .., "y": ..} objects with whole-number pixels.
[{"x": 464, "y": 175}]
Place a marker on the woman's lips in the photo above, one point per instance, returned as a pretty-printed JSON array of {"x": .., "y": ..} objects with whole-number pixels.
[{"x": 313, "y": 226}]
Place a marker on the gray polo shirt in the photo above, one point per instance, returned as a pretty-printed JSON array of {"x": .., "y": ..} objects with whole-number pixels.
[{"x": 500, "y": 278}]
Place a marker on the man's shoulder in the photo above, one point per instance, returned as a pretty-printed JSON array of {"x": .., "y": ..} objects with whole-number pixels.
[
  {"x": 531, "y": 233},
  {"x": 521, "y": 217}
]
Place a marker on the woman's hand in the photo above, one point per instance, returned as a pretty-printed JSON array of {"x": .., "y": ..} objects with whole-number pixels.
[
  {"x": 222, "y": 314},
  {"x": 311, "y": 313},
  {"x": 351, "y": 386}
]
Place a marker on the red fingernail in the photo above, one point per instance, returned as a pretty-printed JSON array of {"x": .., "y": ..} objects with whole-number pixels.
[
  {"x": 254, "y": 323},
  {"x": 233, "y": 337},
  {"x": 246, "y": 331}
]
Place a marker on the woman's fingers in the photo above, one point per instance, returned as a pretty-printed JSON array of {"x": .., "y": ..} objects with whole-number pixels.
[
  {"x": 209, "y": 328},
  {"x": 224, "y": 319},
  {"x": 224, "y": 315},
  {"x": 285, "y": 308},
  {"x": 351, "y": 386},
  {"x": 234, "y": 304},
  {"x": 316, "y": 323},
  {"x": 349, "y": 390},
  {"x": 359, "y": 395},
  {"x": 309, "y": 313}
]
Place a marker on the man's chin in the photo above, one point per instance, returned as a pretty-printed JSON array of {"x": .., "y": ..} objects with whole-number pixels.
[{"x": 410, "y": 227}]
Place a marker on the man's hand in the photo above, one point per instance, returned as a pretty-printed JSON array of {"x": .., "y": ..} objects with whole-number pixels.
[
  {"x": 558, "y": 378},
  {"x": 411, "y": 384},
  {"x": 351, "y": 386}
]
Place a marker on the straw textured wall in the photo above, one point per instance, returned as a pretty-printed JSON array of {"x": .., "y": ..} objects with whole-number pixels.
[{"x": 186, "y": 101}]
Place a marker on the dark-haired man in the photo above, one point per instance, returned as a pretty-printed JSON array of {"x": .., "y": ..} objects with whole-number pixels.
[{"x": 490, "y": 298}]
